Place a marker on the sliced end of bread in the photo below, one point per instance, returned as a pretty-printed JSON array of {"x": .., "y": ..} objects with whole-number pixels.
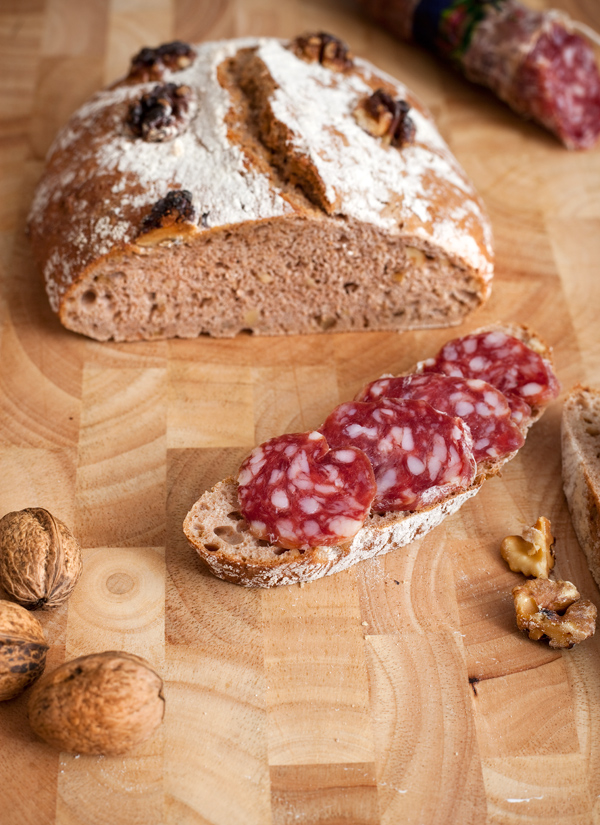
[{"x": 581, "y": 469}]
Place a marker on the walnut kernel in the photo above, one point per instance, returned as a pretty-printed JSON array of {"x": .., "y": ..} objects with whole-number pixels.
[
  {"x": 174, "y": 210},
  {"x": 531, "y": 553},
  {"x": 415, "y": 256},
  {"x": 554, "y": 609},
  {"x": 162, "y": 113},
  {"x": 40, "y": 559},
  {"x": 323, "y": 48},
  {"x": 382, "y": 116},
  {"x": 104, "y": 703},
  {"x": 23, "y": 649},
  {"x": 150, "y": 64}
]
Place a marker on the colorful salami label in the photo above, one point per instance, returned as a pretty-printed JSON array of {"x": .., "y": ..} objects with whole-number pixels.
[{"x": 447, "y": 27}]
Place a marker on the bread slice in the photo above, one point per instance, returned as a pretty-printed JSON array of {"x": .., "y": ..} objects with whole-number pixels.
[
  {"x": 289, "y": 217},
  {"x": 216, "y": 529},
  {"x": 581, "y": 469}
]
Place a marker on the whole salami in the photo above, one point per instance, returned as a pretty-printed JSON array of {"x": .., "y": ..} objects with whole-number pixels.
[
  {"x": 503, "y": 361},
  {"x": 533, "y": 60},
  {"x": 419, "y": 455},
  {"x": 296, "y": 492},
  {"x": 480, "y": 405}
]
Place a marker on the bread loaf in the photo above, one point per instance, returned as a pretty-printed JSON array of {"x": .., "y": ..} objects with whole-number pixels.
[
  {"x": 259, "y": 185},
  {"x": 581, "y": 469},
  {"x": 218, "y": 532}
]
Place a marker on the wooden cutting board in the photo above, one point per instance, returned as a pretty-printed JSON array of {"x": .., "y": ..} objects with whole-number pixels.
[{"x": 399, "y": 691}]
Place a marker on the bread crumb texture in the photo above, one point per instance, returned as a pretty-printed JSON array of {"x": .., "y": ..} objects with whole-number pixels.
[{"x": 301, "y": 220}]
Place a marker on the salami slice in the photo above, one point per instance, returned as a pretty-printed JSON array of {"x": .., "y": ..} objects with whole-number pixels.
[
  {"x": 480, "y": 405},
  {"x": 501, "y": 360},
  {"x": 419, "y": 455},
  {"x": 297, "y": 492}
]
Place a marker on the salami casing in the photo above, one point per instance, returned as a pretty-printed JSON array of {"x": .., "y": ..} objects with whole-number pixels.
[
  {"x": 501, "y": 360},
  {"x": 480, "y": 405},
  {"x": 419, "y": 455},
  {"x": 296, "y": 492}
]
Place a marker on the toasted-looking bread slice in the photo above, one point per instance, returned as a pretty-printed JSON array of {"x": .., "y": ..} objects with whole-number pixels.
[
  {"x": 218, "y": 532},
  {"x": 581, "y": 469}
]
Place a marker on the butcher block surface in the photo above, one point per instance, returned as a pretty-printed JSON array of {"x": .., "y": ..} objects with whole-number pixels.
[{"x": 399, "y": 691}]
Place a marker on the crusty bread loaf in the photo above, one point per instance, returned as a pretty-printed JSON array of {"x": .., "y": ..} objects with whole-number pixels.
[
  {"x": 216, "y": 529},
  {"x": 248, "y": 193},
  {"x": 581, "y": 469}
]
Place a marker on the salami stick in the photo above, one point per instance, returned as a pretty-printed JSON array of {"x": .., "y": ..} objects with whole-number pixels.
[{"x": 535, "y": 61}]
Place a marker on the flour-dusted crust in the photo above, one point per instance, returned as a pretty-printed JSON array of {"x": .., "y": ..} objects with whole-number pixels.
[
  {"x": 218, "y": 532},
  {"x": 301, "y": 220},
  {"x": 581, "y": 469}
]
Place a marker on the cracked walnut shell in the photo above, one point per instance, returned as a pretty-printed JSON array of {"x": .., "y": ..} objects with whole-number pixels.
[
  {"x": 554, "y": 609},
  {"x": 40, "y": 559},
  {"x": 104, "y": 703},
  {"x": 531, "y": 553},
  {"x": 23, "y": 649}
]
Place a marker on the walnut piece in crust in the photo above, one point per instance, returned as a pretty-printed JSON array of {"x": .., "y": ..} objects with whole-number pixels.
[
  {"x": 162, "y": 113},
  {"x": 150, "y": 64},
  {"x": 531, "y": 553},
  {"x": 173, "y": 215},
  {"x": 555, "y": 610},
  {"x": 323, "y": 48},
  {"x": 382, "y": 116}
]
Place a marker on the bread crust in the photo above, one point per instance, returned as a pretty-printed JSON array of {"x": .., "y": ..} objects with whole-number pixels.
[
  {"x": 580, "y": 435},
  {"x": 271, "y": 151},
  {"x": 218, "y": 532}
]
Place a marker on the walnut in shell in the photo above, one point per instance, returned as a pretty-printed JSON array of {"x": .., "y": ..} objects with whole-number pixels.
[
  {"x": 23, "y": 649},
  {"x": 40, "y": 559},
  {"x": 104, "y": 703}
]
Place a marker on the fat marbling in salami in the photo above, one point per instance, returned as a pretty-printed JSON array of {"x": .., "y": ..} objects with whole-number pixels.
[
  {"x": 419, "y": 455},
  {"x": 501, "y": 360},
  {"x": 481, "y": 406},
  {"x": 296, "y": 492}
]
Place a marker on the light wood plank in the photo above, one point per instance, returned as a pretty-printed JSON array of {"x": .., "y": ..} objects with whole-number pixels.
[
  {"x": 317, "y": 687},
  {"x": 121, "y": 475}
]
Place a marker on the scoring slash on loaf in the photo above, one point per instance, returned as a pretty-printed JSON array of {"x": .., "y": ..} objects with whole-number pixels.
[
  {"x": 581, "y": 469},
  {"x": 256, "y": 530},
  {"x": 261, "y": 185}
]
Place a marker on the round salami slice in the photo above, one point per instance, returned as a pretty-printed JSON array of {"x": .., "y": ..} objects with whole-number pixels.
[
  {"x": 501, "y": 360},
  {"x": 480, "y": 405},
  {"x": 296, "y": 492},
  {"x": 419, "y": 455}
]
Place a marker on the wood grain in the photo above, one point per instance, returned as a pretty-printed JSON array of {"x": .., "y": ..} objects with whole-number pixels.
[{"x": 399, "y": 691}]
